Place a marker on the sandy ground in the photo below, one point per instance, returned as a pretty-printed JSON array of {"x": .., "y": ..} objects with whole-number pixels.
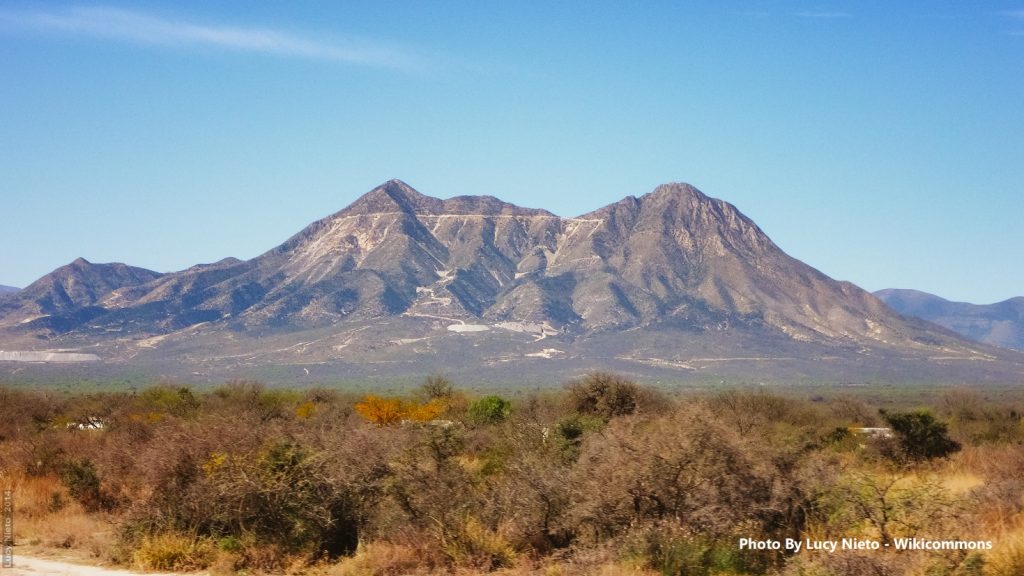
[{"x": 31, "y": 566}]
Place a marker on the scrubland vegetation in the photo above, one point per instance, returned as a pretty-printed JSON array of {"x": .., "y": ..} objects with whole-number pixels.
[{"x": 604, "y": 477}]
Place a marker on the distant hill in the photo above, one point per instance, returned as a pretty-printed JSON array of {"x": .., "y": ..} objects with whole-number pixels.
[
  {"x": 70, "y": 295},
  {"x": 8, "y": 289},
  {"x": 670, "y": 284},
  {"x": 999, "y": 324}
]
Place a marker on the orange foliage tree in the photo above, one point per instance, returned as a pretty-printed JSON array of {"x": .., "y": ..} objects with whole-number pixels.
[{"x": 387, "y": 411}]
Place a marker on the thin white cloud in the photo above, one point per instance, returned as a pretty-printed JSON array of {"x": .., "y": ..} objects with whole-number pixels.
[
  {"x": 824, "y": 15},
  {"x": 139, "y": 28}
]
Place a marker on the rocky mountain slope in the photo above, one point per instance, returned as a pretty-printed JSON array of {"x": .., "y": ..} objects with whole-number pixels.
[
  {"x": 7, "y": 289},
  {"x": 400, "y": 277},
  {"x": 70, "y": 295},
  {"x": 999, "y": 324}
]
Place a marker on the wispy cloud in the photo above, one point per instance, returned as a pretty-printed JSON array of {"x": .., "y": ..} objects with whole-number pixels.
[
  {"x": 824, "y": 15},
  {"x": 139, "y": 28},
  {"x": 1018, "y": 14}
]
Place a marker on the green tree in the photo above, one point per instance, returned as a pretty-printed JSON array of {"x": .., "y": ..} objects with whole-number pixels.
[
  {"x": 490, "y": 409},
  {"x": 920, "y": 435}
]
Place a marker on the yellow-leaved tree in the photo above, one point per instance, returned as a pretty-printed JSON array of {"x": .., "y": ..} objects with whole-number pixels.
[{"x": 387, "y": 411}]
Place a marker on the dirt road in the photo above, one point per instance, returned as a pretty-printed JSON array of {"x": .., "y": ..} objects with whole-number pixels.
[{"x": 29, "y": 566}]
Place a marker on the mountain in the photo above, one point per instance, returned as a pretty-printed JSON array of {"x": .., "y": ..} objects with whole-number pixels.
[
  {"x": 7, "y": 289},
  {"x": 70, "y": 295},
  {"x": 671, "y": 283},
  {"x": 999, "y": 324}
]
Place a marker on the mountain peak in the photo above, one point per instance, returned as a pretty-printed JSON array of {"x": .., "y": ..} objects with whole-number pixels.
[
  {"x": 397, "y": 196},
  {"x": 393, "y": 196},
  {"x": 78, "y": 285},
  {"x": 678, "y": 193},
  {"x": 398, "y": 189},
  {"x": 677, "y": 189},
  {"x": 671, "y": 197}
]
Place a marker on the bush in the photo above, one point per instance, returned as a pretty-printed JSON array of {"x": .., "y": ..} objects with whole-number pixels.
[
  {"x": 671, "y": 551},
  {"x": 174, "y": 552},
  {"x": 437, "y": 387},
  {"x": 284, "y": 494},
  {"x": 83, "y": 484},
  {"x": 480, "y": 547},
  {"x": 606, "y": 395},
  {"x": 178, "y": 401},
  {"x": 490, "y": 410},
  {"x": 681, "y": 469},
  {"x": 572, "y": 430},
  {"x": 920, "y": 435},
  {"x": 380, "y": 411},
  {"x": 388, "y": 411}
]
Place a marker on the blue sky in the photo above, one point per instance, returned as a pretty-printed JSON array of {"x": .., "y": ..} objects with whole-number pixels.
[{"x": 883, "y": 145}]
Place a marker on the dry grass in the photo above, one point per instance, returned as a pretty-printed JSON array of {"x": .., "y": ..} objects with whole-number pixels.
[
  {"x": 381, "y": 559},
  {"x": 46, "y": 516},
  {"x": 478, "y": 546},
  {"x": 961, "y": 483},
  {"x": 1007, "y": 557},
  {"x": 174, "y": 552},
  {"x": 560, "y": 569}
]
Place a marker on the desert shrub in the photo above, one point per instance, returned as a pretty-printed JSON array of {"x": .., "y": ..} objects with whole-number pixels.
[
  {"x": 490, "y": 410},
  {"x": 520, "y": 479},
  {"x": 680, "y": 468},
  {"x": 920, "y": 435},
  {"x": 425, "y": 412},
  {"x": 387, "y": 411},
  {"x": 853, "y": 411},
  {"x": 475, "y": 545},
  {"x": 42, "y": 454},
  {"x": 174, "y": 552},
  {"x": 385, "y": 559},
  {"x": 176, "y": 400},
  {"x": 1001, "y": 496},
  {"x": 671, "y": 550},
  {"x": 436, "y": 387},
  {"x": 23, "y": 412},
  {"x": 604, "y": 395},
  {"x": 572, "y": 429},
  {"x": 788, "y": 421},
  {"x": 284, "y": 493},
  {"x": 380, "y": 411},
  {"x": 251, "y": 400},
  {"x": 431, "y": 488},
  {"x": 849, "y": 564},
  {"x": 974, "y": 420},
  {"x": 83, "y": 484},
  {"x": 305, "y": 410},
  {"x": 887, "y": 506},
  {"x": 294, "y": 488}
]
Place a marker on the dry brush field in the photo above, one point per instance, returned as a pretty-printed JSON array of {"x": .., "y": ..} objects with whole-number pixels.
[{"x": 603, "y": 477}]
